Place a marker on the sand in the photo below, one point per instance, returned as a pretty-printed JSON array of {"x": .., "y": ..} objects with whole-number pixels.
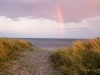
[
  {"x": 33, "y": 63},
  {"x": 38, "y": 62}
]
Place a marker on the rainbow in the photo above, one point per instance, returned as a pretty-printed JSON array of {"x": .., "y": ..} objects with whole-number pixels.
[{"x": 60, "y": 16}]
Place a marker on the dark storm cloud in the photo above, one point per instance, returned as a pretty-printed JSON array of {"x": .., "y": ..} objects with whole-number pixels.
[{"x": 72, "y": 10}]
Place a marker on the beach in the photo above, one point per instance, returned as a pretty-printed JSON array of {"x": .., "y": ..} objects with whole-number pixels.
[
  {"x": 51, "y": 56},
  {"x": 38, "y": 62}
]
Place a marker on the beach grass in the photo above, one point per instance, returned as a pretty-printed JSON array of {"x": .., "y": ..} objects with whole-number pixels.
[
  {"x": 82, "y": 58},
  {"x": 10, "y": 50}
]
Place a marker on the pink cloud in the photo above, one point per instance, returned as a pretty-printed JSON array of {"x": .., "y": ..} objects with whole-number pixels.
[{"x": 72, "y": 10}]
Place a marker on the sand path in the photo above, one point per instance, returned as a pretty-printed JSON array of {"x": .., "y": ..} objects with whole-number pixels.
[{"x": 34, "y": 63}]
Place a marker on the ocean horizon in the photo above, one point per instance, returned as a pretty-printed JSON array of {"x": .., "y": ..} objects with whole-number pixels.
[{"x": 51, "y": 43}]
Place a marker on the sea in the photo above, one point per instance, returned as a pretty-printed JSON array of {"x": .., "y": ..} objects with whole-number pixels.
[{"x": 51, "y": 43}]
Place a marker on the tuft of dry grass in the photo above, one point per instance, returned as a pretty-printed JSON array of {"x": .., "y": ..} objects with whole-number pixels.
[
  {"x": 10, "y": 48},
  {"x": 82, "y": 58}
]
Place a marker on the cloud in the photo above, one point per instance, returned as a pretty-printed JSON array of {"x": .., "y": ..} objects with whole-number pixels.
[
  {"x": 72, "y": 29},
  {"x": 87, "y": 28},
  {"x": 71, "y": 10},
  {"x": 26, "y": 27},
  {"x": 45, "y": 28}
]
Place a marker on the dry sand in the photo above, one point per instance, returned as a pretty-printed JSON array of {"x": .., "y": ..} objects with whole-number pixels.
[
  {"x": 33, "y": 63},
  {"x": 38, "y": 61}
]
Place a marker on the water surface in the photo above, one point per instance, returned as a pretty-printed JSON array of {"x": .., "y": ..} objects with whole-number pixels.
[{"x": 47, "y": 43}]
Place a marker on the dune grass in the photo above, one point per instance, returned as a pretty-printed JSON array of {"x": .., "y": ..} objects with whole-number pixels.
[
  {"x": 10, "y": 49},
  {"x": 82, "y": 58}
]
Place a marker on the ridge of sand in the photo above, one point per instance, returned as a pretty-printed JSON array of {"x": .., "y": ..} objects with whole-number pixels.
[{"x": 33, "y": 63}]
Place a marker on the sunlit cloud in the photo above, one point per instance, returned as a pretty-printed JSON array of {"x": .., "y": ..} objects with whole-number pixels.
[
  {"x": 71, "y": 10},
  {"x": 50, "y": 18},
  {"x": 26, "y": 27}
]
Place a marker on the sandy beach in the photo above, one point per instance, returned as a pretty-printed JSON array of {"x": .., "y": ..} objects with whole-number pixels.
[
  {"x": 33, "y": 63},
  {"x": 38, "y": 62}
]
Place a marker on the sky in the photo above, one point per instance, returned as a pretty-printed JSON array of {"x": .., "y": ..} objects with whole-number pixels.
[{"x": 50, "y": 18}]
